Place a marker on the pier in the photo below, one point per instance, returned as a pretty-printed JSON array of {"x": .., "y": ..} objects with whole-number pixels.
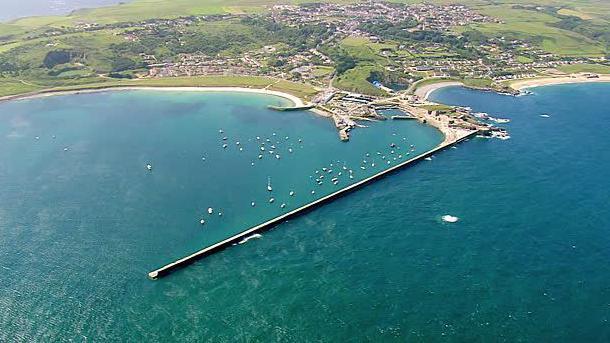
[
  {"x": 292, "y": 108},
  {"x": 403, "y": 117},
  {"x": 310, "y": 206}
]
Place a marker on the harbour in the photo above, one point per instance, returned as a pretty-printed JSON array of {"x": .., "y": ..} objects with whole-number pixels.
[{"x": 165, "y": 270}]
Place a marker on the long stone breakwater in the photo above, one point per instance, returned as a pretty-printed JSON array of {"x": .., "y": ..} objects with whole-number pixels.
[{"x": 157, "y": 273}]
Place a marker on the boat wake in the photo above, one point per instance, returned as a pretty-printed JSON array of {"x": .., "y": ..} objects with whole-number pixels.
[{"x": 256, "y": 235}]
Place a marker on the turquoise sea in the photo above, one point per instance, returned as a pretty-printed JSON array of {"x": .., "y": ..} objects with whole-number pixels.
[{"x": 79, "y": 229}]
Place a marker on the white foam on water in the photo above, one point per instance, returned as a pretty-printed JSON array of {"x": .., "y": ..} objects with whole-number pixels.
[
  {"x": 256, "y": 235},
  {"x": 449, "y": 218}
]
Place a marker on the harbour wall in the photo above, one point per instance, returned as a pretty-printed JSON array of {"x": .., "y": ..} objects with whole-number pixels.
[{"x": 160, "y": 272}]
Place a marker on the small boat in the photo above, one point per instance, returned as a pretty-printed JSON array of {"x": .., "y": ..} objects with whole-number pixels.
[
  {"x": 149, "y": 167},
  {"x": 428, "y": 159},
  {"x": 241, "y": 149},
  {"x": 210, "y": 210},
  {"x": 272, "y": 146},
  {"x": 237, "y": 143},
  {"x": 286, "y": 137},
  {"x": 37, "y": 138},
  {"x": 449, "y": 218},
  {"x": 282, "y": 205},
  {"x": 300, "y": 140},
  {"x": 252, "y": 204},
  {"x": 273, "y": 134},
  {"x": 269, "y": 184},
  {"x": 262, "y": 148},
  {"x": 258, "y": 138},
  {"x": 392, "y": 145},
  {"x": 224, "y": 146},
  {"x": 220, "y": 214},
  {"x": 271, "y": 200},
  {"x": 290, "y": 150},
  {"x": 224, "y": 138},
  {"x": 220, "y": 131},
  {"x": 66, "y": 149},
  {"x": 260, "y": 156},
  {"x": 202, "y": 222},
  {"x": 277, "y": 156},
  {"x": 291, "y": 193},
  {"x": 372, "y": 164},
  {"x": 313, "y": 192}
]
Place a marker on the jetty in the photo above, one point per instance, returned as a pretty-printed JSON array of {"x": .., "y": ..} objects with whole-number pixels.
[
  {"x": 291, "y": 108},
  {"x": 403, "y": 117},
  {"x": 457, "y": 137}
]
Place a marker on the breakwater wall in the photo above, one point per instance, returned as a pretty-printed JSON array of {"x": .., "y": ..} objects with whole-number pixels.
[
  {"x": 292, "y": 108},
  {"x": 157, "y": 273}
]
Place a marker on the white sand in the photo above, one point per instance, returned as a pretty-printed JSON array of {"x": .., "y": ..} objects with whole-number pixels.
[{"x": 296, "y": 100}]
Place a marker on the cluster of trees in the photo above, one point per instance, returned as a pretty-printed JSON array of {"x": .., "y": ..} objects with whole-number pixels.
[
  {"x": 343, "y": 60},
  {"x": 399, "y": 32},
  {"x": 597, "y": 32},
  {"x": 299, "y": 38}
]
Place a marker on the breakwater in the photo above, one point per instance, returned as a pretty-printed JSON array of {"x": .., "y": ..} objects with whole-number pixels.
[
  {"x": 291, "y": 108},
  {"x": 160, "y": 272}
]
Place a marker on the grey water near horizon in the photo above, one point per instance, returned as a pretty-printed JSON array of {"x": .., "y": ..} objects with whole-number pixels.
[
  {"x": 79, "y": 229},
  {"x": 12, "y": 10}
]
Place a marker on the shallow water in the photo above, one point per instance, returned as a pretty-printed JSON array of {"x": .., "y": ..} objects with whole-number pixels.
[{"x": 527, "y": 260}]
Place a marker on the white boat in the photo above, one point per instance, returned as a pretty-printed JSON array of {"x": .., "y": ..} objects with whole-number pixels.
[
  {"x": 210, "y": 210},
  {"x": 220, "y": 131},
  {"x": 262, "y": 148},
  {"x": 252, "y": 204},
  {"x": 149, "y": 167},
  {"x": 282, "y": 205},
  {"x": 291, "y": 193},
  {"x": 269, "y": 184},
  {"x": 260, "y": 156},
  {"x": 202, "y": 222},
  {"x": 313, "y": 192},
  {"x": 271, "y": 200},
  {"x": 224, "y": 146},
  {"x": 449, "y": 218},
  {"x": 290, "y": 150},
  {"x": 237, "y": 143},
  {"x": 277, "y": 156}
]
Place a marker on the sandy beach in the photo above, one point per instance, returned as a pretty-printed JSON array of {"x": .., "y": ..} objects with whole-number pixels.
[
  {"x": 425, "y": 91},
  {"x": 539, "y": 82},
  {"x": 296, "y": 100}
]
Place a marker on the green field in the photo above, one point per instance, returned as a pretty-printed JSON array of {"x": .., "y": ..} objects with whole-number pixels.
[{"x": 585, "y": 68}]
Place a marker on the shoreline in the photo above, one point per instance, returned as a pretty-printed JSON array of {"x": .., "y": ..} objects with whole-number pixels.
[
  {"x": 47, "y": 93},
  {"x": 561, "y": 80},
  {"x": 425, "y": 91}
]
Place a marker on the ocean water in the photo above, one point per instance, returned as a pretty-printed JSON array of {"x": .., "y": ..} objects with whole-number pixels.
[
  {"x": 79, "y": 229},
  {"x": 12, "y": 9}
]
